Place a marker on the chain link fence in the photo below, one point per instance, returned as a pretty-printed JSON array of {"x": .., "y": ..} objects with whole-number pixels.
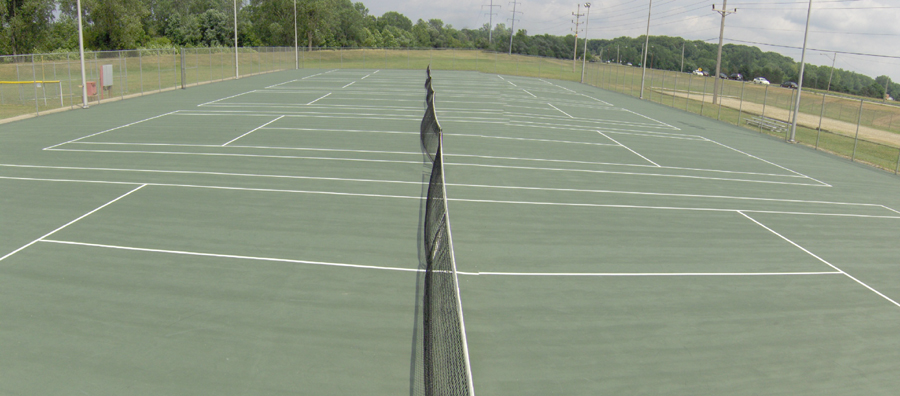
[{"x": 862, "y": 130}]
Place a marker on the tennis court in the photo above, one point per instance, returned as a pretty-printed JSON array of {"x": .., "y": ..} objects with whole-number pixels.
[{"x": 262, "y": 236}]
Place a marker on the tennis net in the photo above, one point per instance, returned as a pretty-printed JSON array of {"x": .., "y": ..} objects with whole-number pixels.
[{"x": 446, "y": 357}]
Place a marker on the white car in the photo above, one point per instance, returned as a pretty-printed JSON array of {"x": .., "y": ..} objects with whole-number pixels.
[{"x": 761, "y": 80}]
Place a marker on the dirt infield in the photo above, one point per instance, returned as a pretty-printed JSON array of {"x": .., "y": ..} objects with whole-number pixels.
[{"x": 806, "y": 120}]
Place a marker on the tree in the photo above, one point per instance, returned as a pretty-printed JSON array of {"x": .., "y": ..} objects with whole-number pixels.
[
  {"x": 214, "y": 28},
  {"x": 395, "y": 19},
  {"x": 111, "y": 25},
  {"x": 24, "y": 24},
  {"x": 317, "y": 17}
]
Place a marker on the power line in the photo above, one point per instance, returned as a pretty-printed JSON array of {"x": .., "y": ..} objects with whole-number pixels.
[{"x": 815, "y": 49}]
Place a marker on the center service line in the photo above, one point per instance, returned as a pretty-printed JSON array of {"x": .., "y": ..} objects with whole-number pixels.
[{"x": 72, "y": 222}]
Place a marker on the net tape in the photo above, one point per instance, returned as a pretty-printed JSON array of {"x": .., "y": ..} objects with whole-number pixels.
[{"x": 446, "y": 360}]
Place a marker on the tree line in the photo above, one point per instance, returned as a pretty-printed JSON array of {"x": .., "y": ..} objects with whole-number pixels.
[{"x": 40, "y": 26}]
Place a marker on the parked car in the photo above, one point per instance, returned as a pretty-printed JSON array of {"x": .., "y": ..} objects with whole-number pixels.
[
  {"x": 761, "y": 80},
  {"x": 699, "y": 72},
  {"x": 723, "y": 76},
  {"x": 789, "y": 84},
  {"x": 736, "y": 77}
]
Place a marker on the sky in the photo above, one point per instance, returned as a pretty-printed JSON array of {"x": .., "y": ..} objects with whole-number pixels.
[{"x": 852, "y": 26}]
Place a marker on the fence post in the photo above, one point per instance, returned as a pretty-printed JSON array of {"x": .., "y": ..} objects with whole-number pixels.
[
  {"x": 688, "y": 100},
  {"x": 765, "y": 98},
  {"x": 123, "y": 74},
  {"x": 721, "y": 92},
  {"x": 741, "y": 103},
  {"x": 183, "y": 72},
  {"x": 821, "y": 114},
  {"x": 791, "y": 111},
  {"x": 34, "y": 78},
  {"x": 856, "y": 139},
  {"x": 141, "y": 69},
  {"x": 897, "y": 169},
  {"x": 703, "y": 96}
]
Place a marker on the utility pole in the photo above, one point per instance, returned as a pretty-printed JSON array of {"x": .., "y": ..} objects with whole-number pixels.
[
  {"x": 512, "y": 28},
  {"x": 490, "y": 20},
  {"x": 682, "y": 57},
  {"x": 644, "y": 50},
  {"x": 724, "y": 13},
  {"x": 577, "y": 15},
  {"x": 617, "y": 55},
  {"x": 584, "y": 56},
  {"x": 887, "y": 83},
  {"x": 800, "y": 81}
]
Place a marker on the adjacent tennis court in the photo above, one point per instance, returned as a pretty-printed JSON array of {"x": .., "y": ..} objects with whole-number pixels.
[{"x": 264, "y": 236}]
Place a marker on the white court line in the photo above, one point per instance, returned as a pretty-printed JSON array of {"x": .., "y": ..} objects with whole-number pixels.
[
  {"x": 635, "y": 174},
  {"x": 351, "y": 83},
  {"x": 531, "y": 140},
  {"x": 601, "y": 101},
  {"x": 512, "y": 83},
  {"x": 526, "y": 91},
  {"x": 359, "y": 266},
  {"x": 253, "y": 130},
  {"x": 232, "y": 256},
  {"x": 557, "y": 109},
  {"x": 646, "y": 274},
  {"x": 227, "y": 97},
  {"x": 629, "y": 149},
  {"x": 501, "y": 77},
  {"x": 280, "y": 84},
  {"x": 71, "y": 222},
  {"x": 208, "y": 173},
  {"x": 227, "y": 188},
  {"x": 769, "y": 162},
  {"x": 673, "y": 208},
  {"x": 820, "y": 259},
  {"x": 323, "y": 97},
  {"x": 449, "y": 184},
  {"x": 702, "y": 196},
  {"x": 367, "y": 75},
  {"x": 892, "y": 210},
  {"x": 563, "y": 204},
  {"x": 344, "y": 130},
  {"x": 560, "y": 86},
  {"x": 240, "y": 155},
  {"x": 653, "y": 119},
  {"x": 111, "y": 129},
  {"x": 310, "y": 76}
]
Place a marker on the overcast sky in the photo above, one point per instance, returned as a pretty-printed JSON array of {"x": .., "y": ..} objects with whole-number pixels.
[{"x": 858, "y": 26}]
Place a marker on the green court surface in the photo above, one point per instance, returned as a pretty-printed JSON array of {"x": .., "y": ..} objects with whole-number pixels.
[{"x": 262, "y": 237}]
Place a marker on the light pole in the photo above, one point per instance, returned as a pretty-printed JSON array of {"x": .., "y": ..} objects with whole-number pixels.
[
  {"x": 84, "y": 98},
  {"x": 237, "y": 73},
  {"x": 584, "y": 56},
  {"x": 644, "y": 50},
  {"x": 800, "y": 81}
]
